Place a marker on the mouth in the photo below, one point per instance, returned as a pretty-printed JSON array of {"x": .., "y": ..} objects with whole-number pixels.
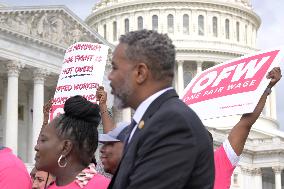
[
  {"x": 36, "y": 158},
  {"x": 112, "y": 90},
  {"x": 103, "y": 156}
]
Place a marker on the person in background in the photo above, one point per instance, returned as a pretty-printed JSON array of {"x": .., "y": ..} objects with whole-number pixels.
[
  {"x": 42, "y": 180},
  {"x": 67, "y": 144},
  {"x": 163, "y": 127},
  {"x": 111, "y": 151},
  {"x": 227, "y": 156},
  {"x": 32, "y": 173},
  {"x": 107, "y": 122},
  {"x": 13, "y": 173}
]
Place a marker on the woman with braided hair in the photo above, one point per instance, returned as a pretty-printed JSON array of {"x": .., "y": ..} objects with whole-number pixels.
[{"x": 66, "y": 146}]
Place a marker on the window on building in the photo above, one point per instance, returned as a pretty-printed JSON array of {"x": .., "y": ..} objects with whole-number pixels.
[
  {"x": 170, "y": 23},
  {"x": 200, "y": 25},
  {"x": 185, "y": 24},
  {"x": 1, "y": 106},
  {"x": 238, "y": 31},
  {"x": 96, "y": 27},
  {"x": 235, "y": 179},
  {"x": 114, "y": 25},
  {"x": 155, "y": 22},
  {"x": 206, "y": 65},
  {"x": 140, "y": 23},
  {"x": 126, "y": 25},
  {"x": 215, "y": 26},
  {"x": 105, "y": 31},
  {"x": 246, "y": 34},
  {"x": 21, "y": 112},
  {"x": 187, "y": 77},
  {"x": 227, "y": 28}
]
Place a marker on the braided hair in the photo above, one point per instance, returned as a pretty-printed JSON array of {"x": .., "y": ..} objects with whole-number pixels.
[{"x": 79, "y": 124}]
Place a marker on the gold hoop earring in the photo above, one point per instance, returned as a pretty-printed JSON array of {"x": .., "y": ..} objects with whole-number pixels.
[{"x": 59, "y": 160}]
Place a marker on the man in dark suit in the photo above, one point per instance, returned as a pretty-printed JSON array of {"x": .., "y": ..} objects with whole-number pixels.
[{"x": 167, "y": 146}]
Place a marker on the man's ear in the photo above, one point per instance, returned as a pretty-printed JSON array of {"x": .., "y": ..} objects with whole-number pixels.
[
  {"x": 142, "y": 72},
  {"x": 67, "y": 147}
]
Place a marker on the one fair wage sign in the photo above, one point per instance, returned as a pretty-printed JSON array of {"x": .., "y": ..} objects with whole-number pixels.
[
  {"x": 82, "y": 72},
  {"x": 233, "y": 87}
]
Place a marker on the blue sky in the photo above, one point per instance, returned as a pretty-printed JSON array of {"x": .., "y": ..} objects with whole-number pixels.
[{"x": 270, "y": 33}]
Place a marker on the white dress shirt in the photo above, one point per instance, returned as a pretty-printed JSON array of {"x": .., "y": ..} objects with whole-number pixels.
[{"x": 143, "y": 107}]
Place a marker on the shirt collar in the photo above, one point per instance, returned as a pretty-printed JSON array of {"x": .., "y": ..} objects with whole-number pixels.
[
  {"x": 146, "y": 103},
  {"x": 86, "y": 175}
]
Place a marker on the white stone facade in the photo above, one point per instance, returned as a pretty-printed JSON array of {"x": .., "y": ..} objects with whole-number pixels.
[
  {"x": 33, "y": 41},
  {"x": 32, "y": 46},
  {"x": 205, "y": 33}
]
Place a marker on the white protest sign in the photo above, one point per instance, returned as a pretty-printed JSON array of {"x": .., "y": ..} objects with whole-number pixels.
[
  {"x": 82, "y": 72},
  {"x": 233, "y": 87}
]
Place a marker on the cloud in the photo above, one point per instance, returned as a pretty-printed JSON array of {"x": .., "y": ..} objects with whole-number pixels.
[{"x": 271, "y": 35}]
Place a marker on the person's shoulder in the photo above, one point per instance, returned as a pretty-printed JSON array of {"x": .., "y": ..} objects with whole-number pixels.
[
  {"x": 221, "y": 159},
  {"x": 100, "y": 181},
  {"x": 8, "y": 159},
  {"x": 100, "y": 177},
  {"x": 22, "y": 179},
  {"x": 11, "y": 165}
]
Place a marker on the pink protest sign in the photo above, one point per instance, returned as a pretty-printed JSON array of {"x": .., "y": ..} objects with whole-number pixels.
[
  {"x": 82, "y": 72},
  {"x": 233, "y": 87}
]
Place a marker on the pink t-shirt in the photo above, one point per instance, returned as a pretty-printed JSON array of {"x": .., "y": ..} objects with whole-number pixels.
[
  {"x": 13, "y": 173},
  {"x": 223, "y": 169},
  {"x": 97, "y": 182}
]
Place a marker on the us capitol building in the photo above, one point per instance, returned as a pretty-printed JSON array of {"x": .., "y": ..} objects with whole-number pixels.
[{"x": 33, "y": 41}]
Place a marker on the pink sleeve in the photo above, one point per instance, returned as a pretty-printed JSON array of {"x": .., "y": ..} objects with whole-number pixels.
[
  {"x": 14, "y": 178},
  {"x": 102, "y": 182},
  {"x": 223, "y": 169},
  {"x": 99, "y": 182}
]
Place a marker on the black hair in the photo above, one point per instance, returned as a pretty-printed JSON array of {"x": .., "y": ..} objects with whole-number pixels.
[
  {"x": 45, "y": 184},
  {"x": 79, "y": 123},
  {"x": 154, "y": 49}
]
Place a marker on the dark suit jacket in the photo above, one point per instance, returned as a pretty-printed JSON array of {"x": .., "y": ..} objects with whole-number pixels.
[{"x": 172, "y": 151}]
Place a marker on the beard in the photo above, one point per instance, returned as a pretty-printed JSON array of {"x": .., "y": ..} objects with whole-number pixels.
[
  {"x": 118, "y": 103},
  {"x": 122, "y": 94}
]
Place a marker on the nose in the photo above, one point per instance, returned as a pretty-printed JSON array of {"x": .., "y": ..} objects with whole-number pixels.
[
  {"x": 35, "y": 185},
  {"x": 102, "y": 150},
  {"x": 36, "y": 147},
  {"x": 110, "y": 76}
]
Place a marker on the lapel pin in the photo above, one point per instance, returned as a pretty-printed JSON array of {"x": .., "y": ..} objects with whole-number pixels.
[{"x": 141, "y": 124}]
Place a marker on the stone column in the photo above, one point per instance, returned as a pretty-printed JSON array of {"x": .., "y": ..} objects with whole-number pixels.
[
  {"x": 267, "y": 107},
  {"x": 199, "y": 67},
  {"x": 180, "y": 76},
  {"x": 162, "y": 22},
  {"x": 247, "y": 177},
  {"x": 277, "y": 171},
  {"x": 11, "y": 132},
  {"x": 258, "y": 178},
  {"x": 132, "y": 22},
  {"x": 38, "y": 102},
  {"x": 272, "y": 98}
]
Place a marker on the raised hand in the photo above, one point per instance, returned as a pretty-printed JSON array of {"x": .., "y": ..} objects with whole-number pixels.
[{"x": 274, "y": 75}]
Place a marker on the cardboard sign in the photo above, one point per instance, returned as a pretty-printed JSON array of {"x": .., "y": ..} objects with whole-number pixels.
[
  {"x": 82, "y": 72},
  {"x": 233, "y": 87}
]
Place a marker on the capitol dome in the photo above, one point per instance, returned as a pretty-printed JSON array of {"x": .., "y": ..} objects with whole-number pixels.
[
  {"x": 3, "y": 5},
  {"x": 205, "y": 32}
]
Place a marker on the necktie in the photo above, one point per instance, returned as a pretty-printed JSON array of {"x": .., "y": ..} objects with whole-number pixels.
[{"x": 129, "y": 130}]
